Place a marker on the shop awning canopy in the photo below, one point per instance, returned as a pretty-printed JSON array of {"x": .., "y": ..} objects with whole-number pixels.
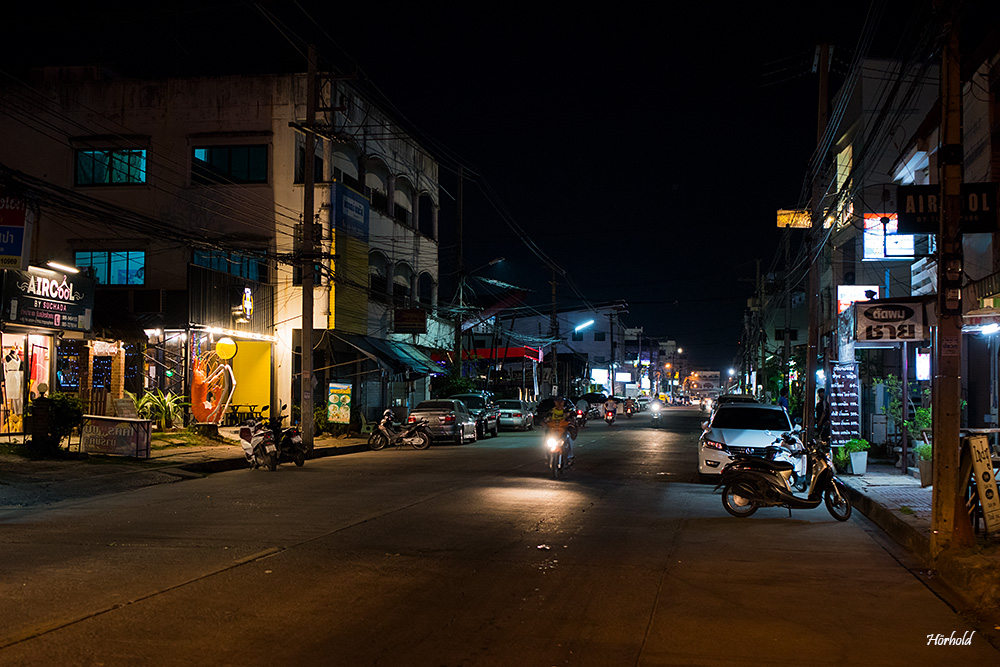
[{"x": 394, "y": 356}]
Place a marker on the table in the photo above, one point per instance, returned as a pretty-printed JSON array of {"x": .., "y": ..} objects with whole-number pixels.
[{"x": 240, "y": 412}]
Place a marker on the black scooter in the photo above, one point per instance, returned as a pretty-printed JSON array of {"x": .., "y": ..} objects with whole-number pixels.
[
  {"x": 416, "y": 434},
  {"x": 288, "y": 440},
  {"x": 750, "y": 482}
]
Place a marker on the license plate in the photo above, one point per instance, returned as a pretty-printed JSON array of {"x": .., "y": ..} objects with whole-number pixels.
[
  {"x": 271, "y": 449},
  {"x": 296, "y": 439}
]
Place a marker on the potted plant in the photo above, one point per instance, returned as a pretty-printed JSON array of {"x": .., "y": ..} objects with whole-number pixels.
[
  {"x": 857, "y": 449},
  {"x": 924, "y": 463}
]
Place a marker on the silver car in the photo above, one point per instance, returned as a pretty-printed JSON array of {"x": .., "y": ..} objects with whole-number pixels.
[
  {"x": 739, "y": 428},
  {"x": 447, "y": 419},
  {"x": 515, "y": 414}
]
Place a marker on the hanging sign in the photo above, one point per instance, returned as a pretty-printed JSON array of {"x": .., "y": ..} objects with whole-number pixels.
[
  {"x": 338, "y": 405},
  {"x": 919, "y": 208},
  {"x": 14, "y": 215},
  {"x": 47, "y": 299},
  {"x": 891, "y": 321},
  {"x": 986, "y": 484}
]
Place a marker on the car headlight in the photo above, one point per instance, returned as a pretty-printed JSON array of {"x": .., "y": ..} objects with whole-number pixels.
[{"x": 712, "y": 444}]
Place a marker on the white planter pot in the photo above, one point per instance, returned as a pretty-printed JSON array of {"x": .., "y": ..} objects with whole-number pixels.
[{"x": 859, "y": 462}]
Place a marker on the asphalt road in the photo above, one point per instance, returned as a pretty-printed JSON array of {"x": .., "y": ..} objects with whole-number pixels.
[{"x": 462, "y": 556}]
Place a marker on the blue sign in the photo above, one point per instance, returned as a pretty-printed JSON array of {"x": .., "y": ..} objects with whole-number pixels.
[
  {"x": 350, "y": 213},
  {"x": 11, "y": 241}
]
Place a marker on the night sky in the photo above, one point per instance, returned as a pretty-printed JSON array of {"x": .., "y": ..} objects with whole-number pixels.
[{"x": 644, "y": 151}]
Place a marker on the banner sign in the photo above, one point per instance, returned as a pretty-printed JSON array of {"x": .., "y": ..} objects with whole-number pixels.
[
  {"x": 409, "y": 321},
  {"x": 891, "y": 321},
  {"x": 13, "y": 218},
  {"x": 51, "y": 299},
  {"x": 919, "y": 208},
  {"x": 351, "y": 212},
  {"x": 110, "y": 435},
  {"x": 986, "y": 484},
  {"x": 845, "y": 404},
  {"x": 338, "y": 405}
]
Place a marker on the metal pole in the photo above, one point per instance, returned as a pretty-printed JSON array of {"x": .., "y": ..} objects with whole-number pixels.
[{"x": 904, "y": 442}]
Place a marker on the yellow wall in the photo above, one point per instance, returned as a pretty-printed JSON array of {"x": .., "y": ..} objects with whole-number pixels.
[{"x": 252, "y": 368}]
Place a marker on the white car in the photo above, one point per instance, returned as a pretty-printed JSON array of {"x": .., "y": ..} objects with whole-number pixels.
[
  {"x": 739, "y": 428},
  {"x": 515, "y": 414}
]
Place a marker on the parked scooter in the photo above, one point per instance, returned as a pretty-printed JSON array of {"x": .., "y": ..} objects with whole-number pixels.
[
  {"x": 289, "y": 440},
  {"x": 416, "y": 434},
  {"x": 258, "y": 445},
  {"x": 750, "y": 482}
]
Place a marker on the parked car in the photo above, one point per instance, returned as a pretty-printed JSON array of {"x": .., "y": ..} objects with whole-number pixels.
[
  {"x": 486, "y": 412},
  {"x": 447, "y": 419},
  {"x": 515, "y": 414},
  {"x": 739, "y": 428}
]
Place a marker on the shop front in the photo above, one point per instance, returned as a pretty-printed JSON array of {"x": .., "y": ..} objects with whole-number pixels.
[
  {"x": 43, "y": 311},
  {"x": 222, "y": 359}
]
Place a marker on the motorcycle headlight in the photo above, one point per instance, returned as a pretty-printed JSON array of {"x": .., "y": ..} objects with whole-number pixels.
[{"x": 552, "y": 443}]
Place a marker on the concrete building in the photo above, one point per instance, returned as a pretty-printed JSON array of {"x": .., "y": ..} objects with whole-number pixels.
[{"x": 184, "y": 196}]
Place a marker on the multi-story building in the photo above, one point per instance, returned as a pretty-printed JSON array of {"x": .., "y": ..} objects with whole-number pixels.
[{"x": 183, "y": 197}]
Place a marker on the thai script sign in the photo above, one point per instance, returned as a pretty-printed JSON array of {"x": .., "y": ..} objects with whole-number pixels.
[
  {"x": 891, "y": 321},
  {"x": 351, "y": 212},
  {"x": 108, "y": 435},
  {"x": 986, "y": 484},
  {"x": 14, "y": 215},
  {"x": 338, "y": 405},
  {"x": 51, "y": 300},
  {"x": 845, "y": 404}
]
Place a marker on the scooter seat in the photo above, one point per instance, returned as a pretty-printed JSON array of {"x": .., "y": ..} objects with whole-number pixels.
[{"x": 777, "y": 466}]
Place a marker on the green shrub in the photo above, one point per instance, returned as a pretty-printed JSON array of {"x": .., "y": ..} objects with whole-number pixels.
[
  {"x": 923, "y": 452},
  {"x": 856, "y": 445},
  {"x": 65, "y": 414}
]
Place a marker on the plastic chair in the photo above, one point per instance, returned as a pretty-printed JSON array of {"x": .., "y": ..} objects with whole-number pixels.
[{"x": 367, "y": 427}]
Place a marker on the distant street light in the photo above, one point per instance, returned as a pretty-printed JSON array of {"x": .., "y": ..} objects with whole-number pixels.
[{"x": 584, "y": 325}]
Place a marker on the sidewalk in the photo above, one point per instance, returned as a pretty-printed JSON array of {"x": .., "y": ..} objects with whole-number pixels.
[{"x": 898, "y": 505}]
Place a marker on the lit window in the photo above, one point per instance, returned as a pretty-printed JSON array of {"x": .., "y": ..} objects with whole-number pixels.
[
  {"x": 122, "y": 267},
  {"x": 229, "y": 164},
  {"x": 110, "y": 167}
]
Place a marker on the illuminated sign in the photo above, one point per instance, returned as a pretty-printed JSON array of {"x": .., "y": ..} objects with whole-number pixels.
[
  {"x": 923, "y": 365},
  {"x": 623, "y": 377},
  {"x": 794, "y": 219},
  {"x": 881, "y": 240},
  {"x": 13, "y": 218},
  {"x": 47, "y": 299},
  {"x": 599, "y": 375},
  {"x": 848, "y": 294}
]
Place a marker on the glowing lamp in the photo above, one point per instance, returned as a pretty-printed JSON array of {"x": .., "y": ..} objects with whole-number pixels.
[{"x": 226, "y": 348}]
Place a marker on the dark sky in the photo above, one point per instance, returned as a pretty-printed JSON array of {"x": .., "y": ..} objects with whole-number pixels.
[{"x": 644, "y": 151}]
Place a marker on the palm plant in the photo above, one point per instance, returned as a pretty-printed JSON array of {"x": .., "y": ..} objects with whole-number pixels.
[{"x": 161, "y": 408}]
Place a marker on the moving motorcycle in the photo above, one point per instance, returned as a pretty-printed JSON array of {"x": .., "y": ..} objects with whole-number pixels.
[
  {"x": 657, "y": 412},
  {"x": 416, "y": 434},
  {"x": 258, "y": 445},
  {"x": 750, "y": 482},
  {"x": 289, "y": 440},
  {"x": 557, "y": 449},
  {"x": 609, "y": 417}
]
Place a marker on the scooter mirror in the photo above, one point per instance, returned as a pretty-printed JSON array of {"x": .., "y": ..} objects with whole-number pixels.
[
  {"x": 704, "y": 426},
  {"x": 796, "y": 428}
]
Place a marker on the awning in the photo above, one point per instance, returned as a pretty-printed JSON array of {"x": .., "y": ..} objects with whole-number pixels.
[{"x": 396, "y": 358}]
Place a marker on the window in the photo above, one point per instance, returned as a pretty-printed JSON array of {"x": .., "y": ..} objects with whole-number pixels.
[
  {"x": 122, "y": 267},
  {"x": 577, "y": 335},
  {"x": 229, "y": 164},
  {"x": 232, "y": 263},
  {"x": 300, "y": 159},
  {"x": 598, "y": 335},
  {"x": 116, "y": 166}
]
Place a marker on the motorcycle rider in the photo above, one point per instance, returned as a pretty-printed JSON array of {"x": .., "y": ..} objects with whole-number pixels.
[
  {"x": 611, "y": 405},
  {"x": 630, "y": 404},
  {"x": 558, "y": 424}
]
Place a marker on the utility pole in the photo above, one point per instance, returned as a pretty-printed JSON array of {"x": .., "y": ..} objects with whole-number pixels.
[
  {"x": 554, "y": 336},
  {"x": 611, "y": 371},
  {"x": 815, "y": 250},
  {"x": 459, "y": 305},
  {"x": 786, "y": 369},
  {"x": 308, "y": 254},
  {"x": 950, "y": 527}
]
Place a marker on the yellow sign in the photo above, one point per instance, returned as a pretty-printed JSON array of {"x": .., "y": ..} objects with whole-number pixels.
[
  {"x": 986, "y": 485},
  {"x": 794, "y": 219}
]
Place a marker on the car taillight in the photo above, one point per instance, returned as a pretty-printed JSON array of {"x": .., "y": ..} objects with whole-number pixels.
[
  {"x": 516, "y": 414},
  {"x": 448, "y": 419}
]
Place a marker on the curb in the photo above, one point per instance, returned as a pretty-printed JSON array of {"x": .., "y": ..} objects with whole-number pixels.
[
  {"x": 228, "y": 464},
  {"x": 963, "y": 574}
]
